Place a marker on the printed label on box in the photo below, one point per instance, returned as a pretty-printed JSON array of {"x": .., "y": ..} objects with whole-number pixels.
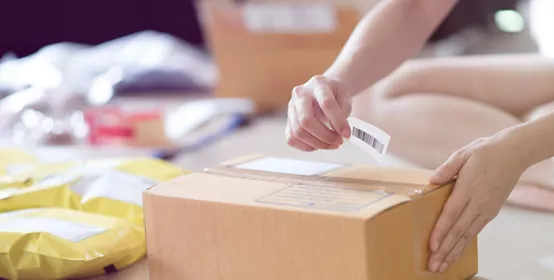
[
  {"x": 336, "y": 199},
  {"x": 369, "y": 138},
  {"x": 289, "y": 166},
  {"x": 275, "y": 18},
  {"x": 70, "y": 231}
]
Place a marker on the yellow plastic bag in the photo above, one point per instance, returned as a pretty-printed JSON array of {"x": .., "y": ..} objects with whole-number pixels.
[
  {"x": 56, "y": 243},
  {"x": 14, "y": 159},
  {"x": 108, "y": 186}
]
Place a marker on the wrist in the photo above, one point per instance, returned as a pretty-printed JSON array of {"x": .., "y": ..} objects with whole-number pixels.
[
  {"x": 339, "y": 73},
  {"x": 533, "y": 140}
]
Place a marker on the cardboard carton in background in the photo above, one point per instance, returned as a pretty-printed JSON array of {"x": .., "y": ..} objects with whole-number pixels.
[
  {"x": 273, "y": 219},
  {"x": 265, "y": 48}
]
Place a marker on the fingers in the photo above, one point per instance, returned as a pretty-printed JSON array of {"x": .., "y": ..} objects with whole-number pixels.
[
  {"x": 449, "y": 169},
  {"x": 451, "y": 212},
  {"x": 295, "y": 143},
  {"x": 307, "y": 127},
  {"x": 476, "y": 227},
  {"x": 331, "y": 109},
  {"x": 457, "y": 233}
]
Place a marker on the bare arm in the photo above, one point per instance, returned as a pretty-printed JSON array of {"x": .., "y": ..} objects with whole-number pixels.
[
  {"x": 390, "y": 33},
  {"x": 513, "y": 83},
  {"x": 536, "y": 139}
]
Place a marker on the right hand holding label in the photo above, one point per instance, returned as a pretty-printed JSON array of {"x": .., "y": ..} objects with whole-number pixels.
[{"x": 317, "y": 115}]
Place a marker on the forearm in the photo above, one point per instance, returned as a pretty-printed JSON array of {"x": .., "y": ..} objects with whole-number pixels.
[
  {"x": 535, "y": 139},
  {"x": 497, "y": 80},
  {"x": 390, "y": 33}
]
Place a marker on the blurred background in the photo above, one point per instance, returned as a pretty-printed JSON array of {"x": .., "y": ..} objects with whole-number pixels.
[
  {"x": 70, "y": 71},
  {"x": 200, "y": 82}
]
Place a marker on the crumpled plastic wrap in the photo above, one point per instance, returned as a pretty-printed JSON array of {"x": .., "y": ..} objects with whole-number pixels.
[{"x": 52, "y": 87}]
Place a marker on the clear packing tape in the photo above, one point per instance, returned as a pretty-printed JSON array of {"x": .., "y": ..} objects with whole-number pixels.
[
  {"x": 326, "y": 175},
  {"x": 106, "y": 193}
]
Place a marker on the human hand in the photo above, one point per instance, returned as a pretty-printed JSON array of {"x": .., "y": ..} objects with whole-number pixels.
[
  {"x": 487, "y": 171},
  {"x": 317, "y": 115}
]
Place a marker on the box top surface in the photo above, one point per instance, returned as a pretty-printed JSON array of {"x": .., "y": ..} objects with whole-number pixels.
[{"x": 359, "y": 191}]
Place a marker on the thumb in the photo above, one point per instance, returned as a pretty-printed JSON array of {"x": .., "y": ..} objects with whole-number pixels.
[{"x": 449, "y": 169}]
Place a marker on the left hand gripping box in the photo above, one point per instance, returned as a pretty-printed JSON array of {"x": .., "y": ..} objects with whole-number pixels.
[{"x": 271, "y": 218}]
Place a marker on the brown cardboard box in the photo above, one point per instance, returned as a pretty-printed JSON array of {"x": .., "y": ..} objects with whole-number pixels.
[
  {"x": 267, "y": 218},
  {"x": 262, "y": 52}
]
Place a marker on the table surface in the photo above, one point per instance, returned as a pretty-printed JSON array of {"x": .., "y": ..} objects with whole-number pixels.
[{"x": 511, "y": 246}]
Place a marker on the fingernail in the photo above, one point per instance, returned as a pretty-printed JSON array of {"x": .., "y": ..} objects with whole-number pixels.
[
  {"x": 345, "y": 133},
  {"x": 435, "y": 266},
  {"x": 443, "y": 267}
]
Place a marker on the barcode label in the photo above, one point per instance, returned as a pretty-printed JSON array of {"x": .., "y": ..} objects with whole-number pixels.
[
  {"x": 374, "y": 143},
  {"x": 369, "y": 138}
]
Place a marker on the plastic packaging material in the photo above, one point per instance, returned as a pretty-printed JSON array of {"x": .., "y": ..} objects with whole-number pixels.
[
  {"x": 105, "y": 186},
  {"x": 42, "y": 116},
  {"x": 139, "y": 62},
  {"x": 15, "y": 160},
  {"x": 51, "y": 87},
  {"x": 56, "y": 243}
]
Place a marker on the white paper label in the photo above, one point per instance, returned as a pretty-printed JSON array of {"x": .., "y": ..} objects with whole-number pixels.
[
  {"x": 369, "y": 138},
  {"x": 289, "y": 166},
  {"x": 113, "y": 184},
  {"x": 70, "y": 231},
  {"x": 308, "y": 18}
]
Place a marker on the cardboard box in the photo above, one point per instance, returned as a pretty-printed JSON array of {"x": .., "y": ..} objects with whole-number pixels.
[
  {"x": 265, "y": 48},
  {"x": 268, "y": 218}
]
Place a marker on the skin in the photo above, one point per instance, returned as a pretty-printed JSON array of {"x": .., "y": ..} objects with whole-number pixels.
[
  {"x": 434, "y": 111},
  {"x": 318, "y": 110}
]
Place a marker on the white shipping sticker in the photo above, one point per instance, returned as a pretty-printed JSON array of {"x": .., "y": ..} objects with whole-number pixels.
[
  {"x": 70, "y": 231},
  {"x": 281, "y": 18},
  {"x": 369, "y": 138},
  {"x": 289, "y": 166},
  {"x": 113, "y": 184}
]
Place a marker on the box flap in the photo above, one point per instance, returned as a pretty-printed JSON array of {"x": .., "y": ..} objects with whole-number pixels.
[{"x": 289, "y": 184}]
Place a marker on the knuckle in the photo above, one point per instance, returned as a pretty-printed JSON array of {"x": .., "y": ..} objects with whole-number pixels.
[
  {"x": 296, "y": 91},
  {"x": 319, "y": 79}
]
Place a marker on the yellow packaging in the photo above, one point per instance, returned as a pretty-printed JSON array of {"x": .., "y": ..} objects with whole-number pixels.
[
  {"x": 11, "y": 159},
  {"x": 57, "y": 243},
  {"x": 108, "y": 186}
]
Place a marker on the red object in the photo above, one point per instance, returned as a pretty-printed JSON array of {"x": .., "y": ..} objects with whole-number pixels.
[{"x": 116, "y": 125}]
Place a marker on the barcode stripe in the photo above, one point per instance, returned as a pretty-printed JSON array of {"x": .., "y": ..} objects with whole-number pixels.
[{"x": 370, "y": 140}]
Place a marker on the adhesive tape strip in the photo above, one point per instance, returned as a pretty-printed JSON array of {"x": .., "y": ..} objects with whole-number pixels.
[{"x": 369, "y": 138}]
